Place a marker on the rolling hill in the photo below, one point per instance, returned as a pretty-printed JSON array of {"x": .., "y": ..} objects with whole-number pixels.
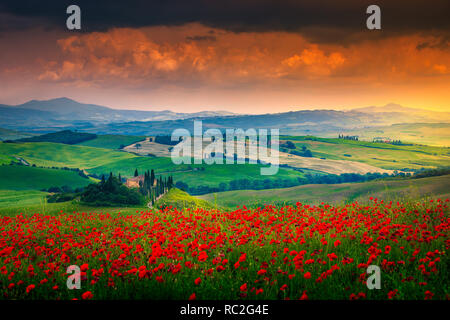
[
  {"x": 394, "y": 189},
  {"x": 181, "y": 200},
  {"x": 432, "y": 134},
  {"x": 380, "y": 155},
  {"x": 102, "y": 161},
  {"x": 6, "y": 134},
  {"x": 65, "y": 136},
  {"x": 49, "y": 115},
  {"x": 110, "y": 141},
  {"x": 63, "y": 113},
  {"x": 31, "y": 178}
]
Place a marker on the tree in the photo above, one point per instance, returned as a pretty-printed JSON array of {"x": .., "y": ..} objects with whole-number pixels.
[
  {"x": 222, "y": 186},
  {"x": 152, "y": 177},
  {"x": 136, "y": 173},
  {"x": 181, "y": 185},
  {"x": 307, "y": 153},
  {"x": 110, "y": 193}
]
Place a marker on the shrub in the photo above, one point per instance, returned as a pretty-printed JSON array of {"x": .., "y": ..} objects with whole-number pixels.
[{"x": 110, "y": 193}]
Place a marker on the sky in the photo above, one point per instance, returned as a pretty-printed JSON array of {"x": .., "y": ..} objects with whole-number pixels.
[{"x": 247, "y": 56}]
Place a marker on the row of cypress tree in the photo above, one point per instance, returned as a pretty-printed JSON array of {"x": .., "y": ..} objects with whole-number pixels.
[{"x": 153, "y": 187}]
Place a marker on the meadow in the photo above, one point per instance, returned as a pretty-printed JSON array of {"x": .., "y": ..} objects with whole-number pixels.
[
  {"x": 387, "y": 189},
  {"x": 31, "y": 178},
  {"x": 433, "y": 134},
  {"x": 382, "y": 155},
  {"x": 305, "y": 242},
  {"x": 13, "y": 201},
  {"x": 109, "y": 141},
  {"x": 102, "y": 161},
  {"x": 276, "y": 252},
  {"x": 48, "y": 154}
]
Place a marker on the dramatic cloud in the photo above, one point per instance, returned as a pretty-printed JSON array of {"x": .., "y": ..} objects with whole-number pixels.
[
  {"x": 239, "y": 55},
  {"x": 140, "y": 55},
  {"x": 319, "y": 20}
]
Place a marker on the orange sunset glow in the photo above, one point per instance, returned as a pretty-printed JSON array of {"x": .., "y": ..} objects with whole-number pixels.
[{"x": 193, "y": 66}]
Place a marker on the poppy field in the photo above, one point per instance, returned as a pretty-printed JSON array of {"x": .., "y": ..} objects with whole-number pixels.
[{"x": 271, "y": 252}]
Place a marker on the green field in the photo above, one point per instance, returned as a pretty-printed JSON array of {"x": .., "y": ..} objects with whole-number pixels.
[
  {"x": 110, "y": 141},
  {"x": 127, "y": 166},
  {"x": 382, "y": 155},
  {"x": 6, "y": 159},
  {"x": 433, "y": 134},
  {"x": 180, "y": 200},
  {"x": 21, "y": 199},
  {"x": 29, "y": 178},
  {"x": 6, "y": 134},
  {"x": 31, "y": 202},
  {"x": 193, "y": 175},
  {"x": 99, "y": 160},
  {"x": 62, "y": 155},
  {"x": 411, "y": 189},
  {"x": 102, "y": 161}
]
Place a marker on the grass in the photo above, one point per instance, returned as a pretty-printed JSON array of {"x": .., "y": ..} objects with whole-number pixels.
[
  {"x": 10, "y": 199},
  {"x": 102, "y": 161},
  {"x": 382, "y": 155},
  {"x": 32, "y": 202},
  {"x": 30, "y": 178},
  {"x": 412, "y": 189},
  {"x": 127, "y": 166},
  {"x": 29, "y": 202},
  {"x": 111, "y": 141},
  {"x": 179, "y": 199},
  {"x": 433, "y": 134},
  {"x": 62, "y": 155},
  {"x": 6, "y": 134},
  {"x": 193, "y": 175},
  {"x": 172, "y": 255},
  {"x": 212, "y": 175},
  {"x": 6, "y": 159}
]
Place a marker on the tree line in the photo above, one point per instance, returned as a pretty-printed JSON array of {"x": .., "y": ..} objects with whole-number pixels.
[
  {"x": 260, "y": 184},
  {"x": 353, "y": 138},
  {"x": 153, "y": 187}
]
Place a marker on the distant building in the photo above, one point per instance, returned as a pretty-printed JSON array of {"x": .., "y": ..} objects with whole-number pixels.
[
  {"x": 382, "y": 139},
  {"x": 134, "y": 182}
]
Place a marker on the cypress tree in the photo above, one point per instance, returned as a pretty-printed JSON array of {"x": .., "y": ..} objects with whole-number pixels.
[
  {"x": 136, "y": 173},
  {"x": 152, "y": 178}
]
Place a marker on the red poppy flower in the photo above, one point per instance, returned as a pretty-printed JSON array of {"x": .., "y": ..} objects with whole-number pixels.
[
  {"x": 304, "y": 296},
  {"x": 262, "y": 271},
  {"x": 30, "y": 288}
]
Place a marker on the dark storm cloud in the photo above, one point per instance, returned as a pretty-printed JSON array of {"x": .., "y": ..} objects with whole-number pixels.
[
  {"x": 201, "y": 38},
  {"x": 442, "y": 43},
  {"x": 326, "y": 21}
]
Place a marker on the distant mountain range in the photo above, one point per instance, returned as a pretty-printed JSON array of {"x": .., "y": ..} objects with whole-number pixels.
[
  {"x": 63, "y": 113},
  {"x": 396, "y": 108}
]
